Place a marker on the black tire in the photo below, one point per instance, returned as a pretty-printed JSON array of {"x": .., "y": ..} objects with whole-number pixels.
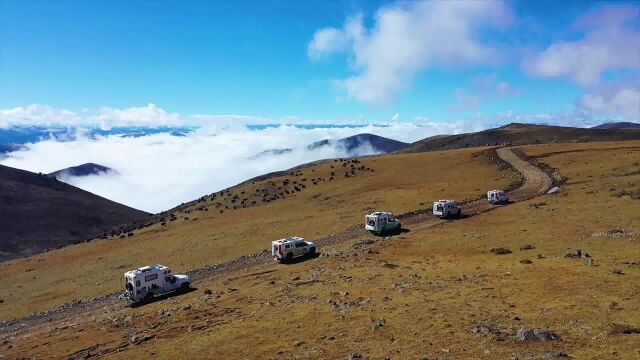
[
  {"x": 459, "y": 213},
  {"x": 148, "y": 297},
  {"x": 288, "y": 258},
  {"x": 185, "y": 287},
  {"x": 312, "y": 252},
  {"x": 399, "y": 228}
]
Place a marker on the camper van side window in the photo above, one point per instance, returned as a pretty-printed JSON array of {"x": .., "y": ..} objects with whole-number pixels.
[
  {"x": 137, "y": 283},
  {"x": 151, "y": 277}
]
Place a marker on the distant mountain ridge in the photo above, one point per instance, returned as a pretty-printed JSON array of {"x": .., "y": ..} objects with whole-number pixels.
[
  {"x": 379, "y": 144},
  {"x": 521, "y": 134},
  {"x": 618, "y": 125},
  {"x": 83, "y": 170},
  {"x": 38, "y": 212},
  {"x": 351, "y": 143}
]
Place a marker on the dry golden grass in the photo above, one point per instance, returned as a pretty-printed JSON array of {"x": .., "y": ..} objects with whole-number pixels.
[
  {"x": 399, "y": 183},
  {"x": 443, "y": 282}
]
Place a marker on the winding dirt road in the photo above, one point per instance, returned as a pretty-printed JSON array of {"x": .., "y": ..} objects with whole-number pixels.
[{"x": 536, "y": 182}]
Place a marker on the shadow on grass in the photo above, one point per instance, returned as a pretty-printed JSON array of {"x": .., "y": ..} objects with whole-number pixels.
[
  {"x": 391, "y": 233},
  {"x": 300, "y": 259},
  {"x": 162, "y": 297}
]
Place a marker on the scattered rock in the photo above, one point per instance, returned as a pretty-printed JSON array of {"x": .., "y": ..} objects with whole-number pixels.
[
  {"x": 536, "y": 335},
  {"x": 526, "y": 261},
  {"x": 500, "y": 251},
  {"x": 620, "y": 329},
  {"x": 554, "y": 190},
  {"x": 555, "y": 354},
  {"x": 378, "y": 324},
  {"x": 355, "y": 356},
  {"x": 139, "y": 339},
  {"x": 617, "y": 271},
  {"x": 527, "y": 247},
  {"x": 577, "y": 255},
  {"x": 389, "y": 266},
  {"x": 208, "y": 292},
  {"x": 299, "y": 343}
]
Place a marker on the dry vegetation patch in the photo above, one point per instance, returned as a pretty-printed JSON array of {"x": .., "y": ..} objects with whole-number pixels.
[
  {"x": 436, "y": 292},
  {"x": 334, "y": 195}
]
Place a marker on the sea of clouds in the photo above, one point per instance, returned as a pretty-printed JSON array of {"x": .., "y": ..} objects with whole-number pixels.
[{"x": 158, "y": 171}]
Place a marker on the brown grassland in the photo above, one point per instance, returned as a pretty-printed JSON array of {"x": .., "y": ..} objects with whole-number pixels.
[
  {"x": 399, "y": 183},
  {"x": 435, "y": 292}
]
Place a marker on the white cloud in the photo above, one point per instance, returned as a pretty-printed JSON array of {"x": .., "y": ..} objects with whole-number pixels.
[
  {"x": 326, "y": 41},
  {"x": 135, "y": 116},
  {"x": 610, "y": 42},
  {"x": 105, "y": 117},
  {"x": 37, "y": 114},
  {"x": 395, "y": 117},
  {"x": 624, "y": 104},
  {"x": 409, "y": 37},
  {"x": 157, "y": 172}
]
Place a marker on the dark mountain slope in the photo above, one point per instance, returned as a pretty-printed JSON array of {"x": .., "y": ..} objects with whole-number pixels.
[
  {"x": 39, "y": 213},
  {"x": 522, "y": 134},
  {"x": 83, "y": 170},
  {"x": 379, "y": 144},
  {"x": 351, "y": 143},
  {"x": 618, "y": 125}
]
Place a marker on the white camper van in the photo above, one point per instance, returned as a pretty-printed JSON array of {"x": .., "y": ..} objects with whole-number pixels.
[
  {"x": 497, "y": 197},
  {"x": 146, "y": 282},
  {"x": 446, "y": 208},
  {"x": 381, "y": 222},
  {"x": 289, "y": 248}
]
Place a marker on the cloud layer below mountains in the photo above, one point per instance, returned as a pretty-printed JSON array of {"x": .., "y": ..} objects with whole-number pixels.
[{"x": 159, "y": 171}]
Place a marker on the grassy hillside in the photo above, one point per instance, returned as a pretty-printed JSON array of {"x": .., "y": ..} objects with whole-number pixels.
[
  {"x": 522, "y": 134},
  {"x": 435, "y": 292},
  {"x": 211, "y": 230},
  {"x": 39, "y": 213}
]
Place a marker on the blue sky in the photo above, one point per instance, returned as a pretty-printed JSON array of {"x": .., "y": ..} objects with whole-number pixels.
[{"x": 253, "y": 58}]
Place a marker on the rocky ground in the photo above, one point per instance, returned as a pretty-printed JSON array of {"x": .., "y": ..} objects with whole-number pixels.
[{"x": 561, "y": 284}]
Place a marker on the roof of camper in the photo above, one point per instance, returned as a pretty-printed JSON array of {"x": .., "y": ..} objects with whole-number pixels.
[
  {"x": 445, "y": 201},
  {"x": 144, "y": 269},
  {"x": 289, "y": 239}
]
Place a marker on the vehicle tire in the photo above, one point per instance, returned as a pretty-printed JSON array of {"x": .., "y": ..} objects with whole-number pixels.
[
  {"x": 398, "y": 228},
  {"x": 185, "y": 287},
  {"x": 288, "y": 258},
  {"x": 148, "y": 297},
  {"x": 312, "y": 252},
  {"x": 459, "y": 213}
]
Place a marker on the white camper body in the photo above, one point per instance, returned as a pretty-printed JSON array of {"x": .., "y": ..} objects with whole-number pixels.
[
  {"x": 381, "y": 222},
  {"x": 497, "y": 197},
  {"x": 289, "y": 248},
  {"x": 446, "y": 208},
  {"x": 149, "y": 281}
]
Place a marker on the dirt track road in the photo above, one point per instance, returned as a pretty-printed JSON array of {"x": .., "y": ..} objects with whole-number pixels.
[{"x": 536, "y": 182}]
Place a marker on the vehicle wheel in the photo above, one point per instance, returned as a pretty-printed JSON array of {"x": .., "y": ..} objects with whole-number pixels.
[
  {"x": 399, "y": 228},
  {"x": 148, "y": 297},
  {"x": 185, "y": 286},
  {"x": 459, "y": 213},
  {"x": 312, "y": 251},
  {"x": 288, "y": 258}
]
